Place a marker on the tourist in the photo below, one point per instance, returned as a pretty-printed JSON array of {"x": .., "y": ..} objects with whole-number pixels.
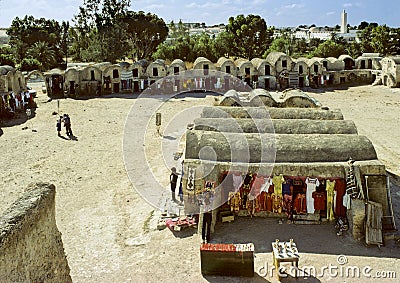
[
  {"x": 58, "y": 125},
  {"x": 67, "y": 124},
  {"x": 173, "y": 179},
  {"x": 206, "y": 202}
]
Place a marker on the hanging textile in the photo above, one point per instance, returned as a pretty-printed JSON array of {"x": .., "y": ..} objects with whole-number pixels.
[
  {"x": 234, "y": 201},
  {"x": 252, "y": 204},
  {"x": 319, "y": 201},
  {"x": 267, "y": 184},
  {"x": 237, "y": 181},
  {"x": 288, "y": 205},
  {"x": 277, "y": 203},
  {"x": 300, "y": 204},
  {"x": 190, "y": 180},
  {"x": 330, "y": 196},
  {"x": 278, "y": 180},
  {"x": 340, "y": 187},
  {"x": 312, "y": 184}
]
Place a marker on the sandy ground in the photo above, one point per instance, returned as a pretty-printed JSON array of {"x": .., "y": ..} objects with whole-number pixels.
[{"x": 109, "y": 231}]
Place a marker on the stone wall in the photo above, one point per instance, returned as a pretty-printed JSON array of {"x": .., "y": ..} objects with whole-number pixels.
[
  {"x": 31, "y": 249},
  {"x": 356, "y": 216}
]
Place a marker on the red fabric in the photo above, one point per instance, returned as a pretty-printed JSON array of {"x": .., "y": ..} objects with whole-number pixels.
[
  {"x": 218, "y": 247},
  {"x": 300, "y": 205},
  {"x": 257, "y": 184},
  {"x": 262, "y": 200},
  {"x": 340, "y": 188},
  {"x": 319, "y": 201},
  {"x": 268, "y": 201}
]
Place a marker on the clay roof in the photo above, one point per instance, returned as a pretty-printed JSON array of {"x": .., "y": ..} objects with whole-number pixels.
[
  {"x": 178, "y": 62},
  {"x": 273, "y": 57},
  {"x": 257, "y": 62},
  {"x": 5, "y": 69},
  {"x": 241, "y": 61},
  {"x": 223, "y": 60},
  {"x": 201, "y": 60}
]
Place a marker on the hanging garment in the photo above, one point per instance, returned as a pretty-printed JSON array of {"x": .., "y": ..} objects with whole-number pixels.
[
  {"x": 340, "y": 187},
  {"x": 312, "y": 184},
  {"x": 226, "y": 185},
  {"x": 237, "y": 181},
  {"x": 346, "y": 201},
  {"x": 262, "y": 201},
  {"x": 252, "y": 204},
  {"x": 278, "y": 180},
  {"x": 330, "y": 197},
  {"x": 234, "y": 201},
  {"x": 257, "y": 184},
  {"x": 288, "y": 205},
  {"x": 277, "y": 203},
  {"x": 190, "y": 180},
  {"x": 268, "y": 202},
  {"x": 267, "y": 184},
  {"x": 300, "y": 204},
  {"x": 286, "y": 187},
  {"x": 319, "y": 201}
]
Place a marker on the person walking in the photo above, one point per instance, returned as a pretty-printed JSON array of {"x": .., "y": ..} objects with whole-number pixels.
[
  {"x": 58, "y": 126},
  {"x": 173, "y": 179}
]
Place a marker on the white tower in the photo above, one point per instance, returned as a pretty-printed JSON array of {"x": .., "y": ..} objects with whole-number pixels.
[{"x": 343, "y": 26}]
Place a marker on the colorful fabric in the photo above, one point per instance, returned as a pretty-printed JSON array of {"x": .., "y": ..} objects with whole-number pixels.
[
  {"x": 234, "y": 201},
  {"x": 288, "y": 205},
  {"x": 300, "y": 204},
  {"x": 277, "y": 203},
  {"x": 330, "y": 196},
  {"x": 278, "y": 180},
  {"x": 190, "y": 180}
]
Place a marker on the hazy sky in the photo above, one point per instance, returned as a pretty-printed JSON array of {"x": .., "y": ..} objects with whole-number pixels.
[{"x": 276, "y": 13}]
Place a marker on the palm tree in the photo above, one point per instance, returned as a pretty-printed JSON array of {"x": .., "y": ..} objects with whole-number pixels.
[{"x": 43, "y": 54}]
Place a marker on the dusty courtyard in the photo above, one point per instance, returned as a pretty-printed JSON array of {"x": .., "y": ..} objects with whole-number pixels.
[{"x": 109, "y": 232}]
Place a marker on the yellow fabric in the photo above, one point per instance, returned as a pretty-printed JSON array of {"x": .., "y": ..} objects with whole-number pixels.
[
  {"x": 278, "y": 181},
  {"x": 330, "y": 194}
]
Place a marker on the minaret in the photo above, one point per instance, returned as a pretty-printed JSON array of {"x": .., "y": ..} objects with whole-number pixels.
[{"x": 343, "y": 27}]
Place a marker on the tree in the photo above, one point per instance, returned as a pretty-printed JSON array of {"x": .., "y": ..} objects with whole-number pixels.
[
  {"x": 380, "y": 40},
  {"x": 250, "y": 35},
  {"x": 6, "y": 56},
  {"x": 64, "y": 43},
  {"x": 223, "y": 45},
  {"x": 30, "y": 64},
  {"x": 353, "y": 49},
  {"x": 279, "y": 44},
  {"x": 203, "y": 47},
  {"x": 24, "y": 33},
  {"x": 395, "y": 41},
  {"x": 98, "y": 27},
  {"x": 328, "y": 48},
  {"x": 45, "y": 55},
  {"x": 144, "y": 33}
]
